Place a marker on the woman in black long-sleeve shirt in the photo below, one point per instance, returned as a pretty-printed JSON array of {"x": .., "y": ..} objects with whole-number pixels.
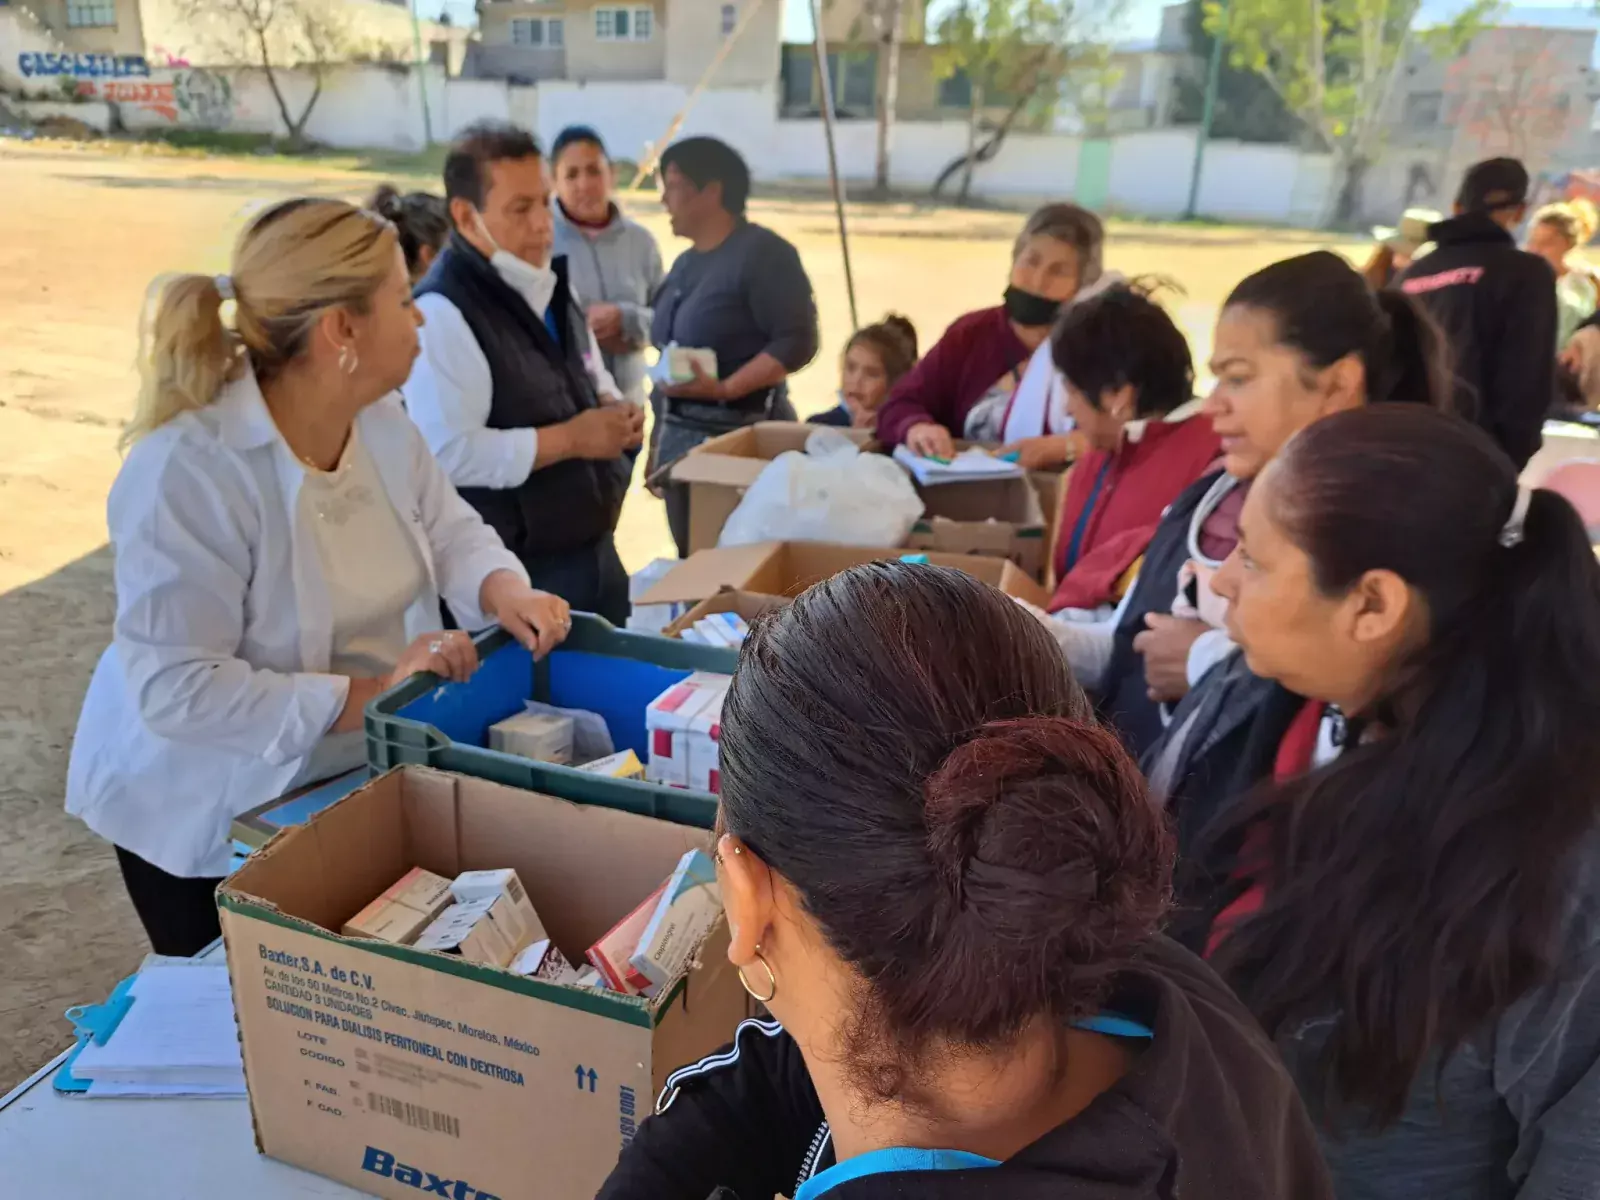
[
  {"x": 740, "y": 290},
  {"x": 944, "y": 879}
]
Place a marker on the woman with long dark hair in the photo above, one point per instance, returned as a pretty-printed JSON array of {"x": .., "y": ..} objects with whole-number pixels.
[
  {"x": 1417, "y": 922},
  {"x": 944, "y": 882},
  {"x": 1296, "y": 340}
]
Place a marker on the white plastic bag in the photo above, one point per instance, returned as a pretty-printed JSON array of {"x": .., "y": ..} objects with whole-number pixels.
[{"x": 831, "y": 493}]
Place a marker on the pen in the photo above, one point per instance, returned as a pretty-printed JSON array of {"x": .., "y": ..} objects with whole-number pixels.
[{"x": 943, "y": 462}]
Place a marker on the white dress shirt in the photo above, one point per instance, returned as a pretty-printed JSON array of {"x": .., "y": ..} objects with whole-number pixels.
[
  {"x": 450, "y": 392},
  {"x": 217, "y": 686}
]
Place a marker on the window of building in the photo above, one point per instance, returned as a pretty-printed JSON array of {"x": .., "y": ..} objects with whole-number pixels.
[
  {"x": 730, "y": 19},
  {"x": 1423, "y": 109},
  {"x": 624, "y": 24},
  {"x": 855, "y": 82},
  {"x": 955, "y": 91},
  {"x": 82, "y": 14},
  {"x": 543, "y": 32}
]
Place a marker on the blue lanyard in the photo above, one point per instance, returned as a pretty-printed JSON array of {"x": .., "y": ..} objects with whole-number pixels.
[{"x": 1075, "y": 544}]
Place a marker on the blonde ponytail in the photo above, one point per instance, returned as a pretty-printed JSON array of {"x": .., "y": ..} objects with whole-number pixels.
[
  {"x": 186, "y": 353},
  {"x": 291, "y": 264}
]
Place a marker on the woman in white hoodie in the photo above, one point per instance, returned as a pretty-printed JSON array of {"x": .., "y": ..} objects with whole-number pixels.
[{"x": 283, "y": 538}]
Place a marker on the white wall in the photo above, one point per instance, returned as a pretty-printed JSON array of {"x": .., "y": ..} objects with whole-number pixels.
[
  {"x": 1150, "y": 172},
  {"x": 375, "y": 106}
]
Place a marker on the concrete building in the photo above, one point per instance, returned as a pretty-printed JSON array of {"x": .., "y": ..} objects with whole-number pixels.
[
  {"x": 1528, "y": 90},
  {"x": 165, "y": 32},
  {"x": 638, "y": 41},
  {"x": 91, "y": 26}
]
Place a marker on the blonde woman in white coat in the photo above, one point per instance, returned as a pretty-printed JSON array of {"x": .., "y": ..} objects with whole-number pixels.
[{"x": 283, "y": 538}]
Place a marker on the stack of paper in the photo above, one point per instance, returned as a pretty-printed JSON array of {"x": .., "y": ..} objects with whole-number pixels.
[
  {"x": 178, "y": 1037},
  {"x": 967, "y": 466}
]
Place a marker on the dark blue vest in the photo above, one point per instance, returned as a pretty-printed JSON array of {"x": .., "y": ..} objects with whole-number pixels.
[{"x": 539, "y": 379}]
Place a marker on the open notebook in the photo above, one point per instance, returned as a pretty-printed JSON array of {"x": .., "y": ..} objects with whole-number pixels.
[
  {"x": 967, "y": 466},
  {"x": 167, "y": 1031}
]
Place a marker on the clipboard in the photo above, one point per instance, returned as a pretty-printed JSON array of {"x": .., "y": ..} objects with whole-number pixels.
[
  {"x": 95, "y": 1023},
  {"x": 254, "y": 829}
]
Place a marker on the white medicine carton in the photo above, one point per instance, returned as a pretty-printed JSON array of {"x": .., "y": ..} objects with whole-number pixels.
[{"x": 668, "y": 719}]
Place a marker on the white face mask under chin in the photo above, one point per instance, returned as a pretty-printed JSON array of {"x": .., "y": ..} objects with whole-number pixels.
[{"x": 534, "y": 284}]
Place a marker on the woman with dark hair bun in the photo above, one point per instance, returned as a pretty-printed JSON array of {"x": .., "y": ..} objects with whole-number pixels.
[
  {"x": 1417, "y": 921},
  {"x": 421, "y": 220},
  {"x": 944, "y": 881}
]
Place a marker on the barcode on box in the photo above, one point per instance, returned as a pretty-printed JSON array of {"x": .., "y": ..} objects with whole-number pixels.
[{"x": 414, "y": 1115}]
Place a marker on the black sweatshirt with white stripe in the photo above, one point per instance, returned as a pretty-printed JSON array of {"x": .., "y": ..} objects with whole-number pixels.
[{"x": 1206, "y": 1113}]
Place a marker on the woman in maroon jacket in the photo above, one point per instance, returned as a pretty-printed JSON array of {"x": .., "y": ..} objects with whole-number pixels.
[
  {"x": 1127, "y": 369},
  {"x": 979, "y": 357}
]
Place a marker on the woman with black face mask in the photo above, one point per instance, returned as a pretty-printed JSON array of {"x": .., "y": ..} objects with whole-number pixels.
[{"x": 961, "y": 389}]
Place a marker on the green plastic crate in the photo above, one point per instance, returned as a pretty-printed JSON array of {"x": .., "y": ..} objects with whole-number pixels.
[{"x": 599, "y": 667}]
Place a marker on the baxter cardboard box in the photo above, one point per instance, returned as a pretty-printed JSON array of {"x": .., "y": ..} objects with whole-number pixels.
[
  {"x": 789, "y": 568},
  {"x": 1051, "y": 488},
  {"x": 748, "y": 605},
  {"x": 718, "y": 470},
  {"x": 999, "y": 517},
  {"x": 387, "y": 1067}
]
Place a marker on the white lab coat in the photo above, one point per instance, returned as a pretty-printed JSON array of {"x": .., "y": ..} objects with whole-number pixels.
[{"x": 215, "y": 689}]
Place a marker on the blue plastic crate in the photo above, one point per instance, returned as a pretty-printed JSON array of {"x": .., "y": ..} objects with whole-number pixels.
[{"x": 599, "y": 668}]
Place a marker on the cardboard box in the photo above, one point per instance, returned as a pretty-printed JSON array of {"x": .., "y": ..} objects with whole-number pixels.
[
  {"x": 1051, "y": 488},
  {"x": 999, "y": 517},
  {"x": 668, "y": 720},
  {"x": 624, "y": 764},
  {"x": 718, "y": 470},
  {"x": 685, "y": 911},
  {"x": 611, "y": 954},
  {"x": 471, "y": 930},
  {"x": 386, "y": 1066},
  {"x": 703, "y": 742},
  {"x": 544, "y": 737},
  {"x": 512, "y": 912},
  {"x": 748, "y": 605},
  {"x": 788, "y": 568},
  {"x": 404, "y": 909}
]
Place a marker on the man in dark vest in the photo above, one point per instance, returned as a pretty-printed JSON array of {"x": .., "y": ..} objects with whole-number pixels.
[{"x": 510, "y": 390}]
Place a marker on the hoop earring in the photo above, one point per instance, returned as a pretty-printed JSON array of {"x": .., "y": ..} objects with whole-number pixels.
[
  {"x": 772, "y": 980},
  {"x": 348, "y": 360}
]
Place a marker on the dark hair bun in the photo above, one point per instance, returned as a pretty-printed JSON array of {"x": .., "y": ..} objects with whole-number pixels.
[
  {"x": 1055, "y": 863},
  {"x": 386, "y": 201},
  {"x": 902, "y": 326}
]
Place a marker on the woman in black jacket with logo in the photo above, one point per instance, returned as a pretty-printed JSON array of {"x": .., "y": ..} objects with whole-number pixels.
[{"x": 943, "y": 879}]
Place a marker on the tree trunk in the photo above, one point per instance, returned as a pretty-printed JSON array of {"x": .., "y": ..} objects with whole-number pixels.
[
  {"x": 890, "y": 96},
  {"x": 272, "y": 81},
  {"x": 974, "y": 109},
  {"x": 297, "y": 131},
  {"x": 1348, "y": 206}
]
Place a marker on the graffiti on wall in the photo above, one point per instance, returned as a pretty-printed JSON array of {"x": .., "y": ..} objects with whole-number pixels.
[
  {"x": 82, "y": 66},
  {"x": 193, "y": 98}
]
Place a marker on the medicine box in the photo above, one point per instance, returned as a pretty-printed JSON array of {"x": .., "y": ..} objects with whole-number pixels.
[{"x": 667, "y": 720}]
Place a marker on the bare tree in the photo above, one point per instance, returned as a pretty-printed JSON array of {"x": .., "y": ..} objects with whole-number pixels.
[
  {"x": 277, "y": 36},
  {"x": 888, "y": 20},
  {"x": 1511, "y": 94},
  {"x": 1016, "y": 52}
]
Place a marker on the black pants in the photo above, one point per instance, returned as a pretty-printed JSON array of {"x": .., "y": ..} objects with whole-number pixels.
[
  {"x": 676, "y": 495},
  {"x": 179, "y": 915},
  {"x": 591, "y": 579}
]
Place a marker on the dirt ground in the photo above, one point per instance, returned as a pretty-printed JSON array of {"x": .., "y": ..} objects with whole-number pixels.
[{"x": 82, "y": 234}]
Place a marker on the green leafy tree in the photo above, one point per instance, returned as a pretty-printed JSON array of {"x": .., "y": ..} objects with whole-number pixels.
[
  {"x": 1020, "y": 54},
  {"x": 1334, "y": 64},
  {"x": 1247, "y": 108}
]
